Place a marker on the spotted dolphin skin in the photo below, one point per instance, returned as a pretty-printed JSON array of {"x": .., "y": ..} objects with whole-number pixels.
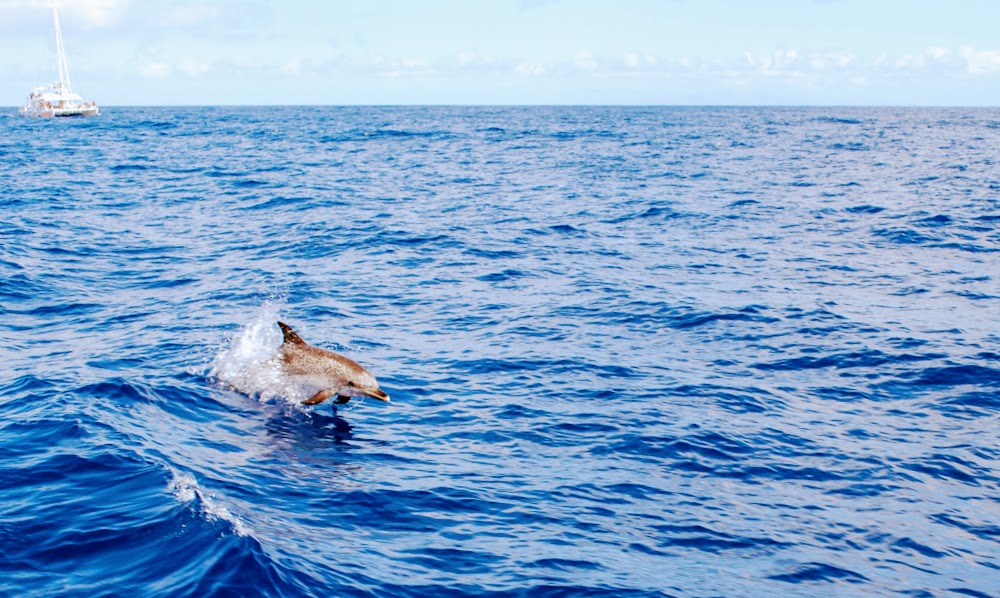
[{"x": 333, "y": 373}]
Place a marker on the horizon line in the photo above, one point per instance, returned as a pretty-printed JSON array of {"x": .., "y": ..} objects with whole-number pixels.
[{"x": 543, "y": 105}]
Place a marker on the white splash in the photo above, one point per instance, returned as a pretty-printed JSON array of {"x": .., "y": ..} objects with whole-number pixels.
[
  {"x": 249, "y": 362},
  {"x": 186, "y": 489}
]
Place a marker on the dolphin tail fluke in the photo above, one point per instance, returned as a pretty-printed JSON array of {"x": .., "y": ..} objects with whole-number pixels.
[{"x": 290, "y": 336}]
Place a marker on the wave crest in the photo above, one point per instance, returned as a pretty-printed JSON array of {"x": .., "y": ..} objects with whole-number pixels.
[{"x": 185, "y": 489}]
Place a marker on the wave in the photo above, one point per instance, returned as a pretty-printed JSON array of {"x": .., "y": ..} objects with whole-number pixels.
[
  {"x": 186, "y": 490},
  {"x": 621, "y": 342}
]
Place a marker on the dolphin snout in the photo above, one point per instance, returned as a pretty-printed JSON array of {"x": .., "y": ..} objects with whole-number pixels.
[{"x": 378, "y": 394}]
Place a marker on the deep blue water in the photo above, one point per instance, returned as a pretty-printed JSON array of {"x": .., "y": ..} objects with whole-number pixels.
[{"x": 632, "y": 352}]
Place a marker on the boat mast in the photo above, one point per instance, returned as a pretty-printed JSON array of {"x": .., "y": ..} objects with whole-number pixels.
[{"x": 61, "y": 52}]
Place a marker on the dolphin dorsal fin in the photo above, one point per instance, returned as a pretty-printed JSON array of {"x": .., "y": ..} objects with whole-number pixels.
[{"x": 290, "y": 336}]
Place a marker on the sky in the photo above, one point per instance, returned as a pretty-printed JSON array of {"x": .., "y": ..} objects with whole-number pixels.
[{"x": 647, "y": 52}]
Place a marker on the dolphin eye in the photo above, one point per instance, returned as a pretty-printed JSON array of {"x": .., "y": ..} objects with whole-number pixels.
[{"x": 351, "y": 384}]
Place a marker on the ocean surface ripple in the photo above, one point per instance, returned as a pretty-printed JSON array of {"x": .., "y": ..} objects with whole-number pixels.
[{"x": 632, "y": 352}]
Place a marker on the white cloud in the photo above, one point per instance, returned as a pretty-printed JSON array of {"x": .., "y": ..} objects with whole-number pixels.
[
  {"x": 781, "y": 69},
  {"x": 292, "y": 66},
  {"x": 635, "y": 60},
  {"x": 965, "y": 60},
  {"x": 816, "y": 67},
  {"x": 468, "y": 59},
  {"x": 776, "y": 63},
  {"x": 193, "y": 67},
  {"x": 405, "y": 66},
  {"x": 979, "y": 62},
  {"x": 938, "y": 53},
  {"x": 825, "y": 61},
  {"x": 530, "y": 69},
  {"x": 931, "y": 57},
  {"x": 413, "y": 63},
  {"x": 911, "y": 61}
]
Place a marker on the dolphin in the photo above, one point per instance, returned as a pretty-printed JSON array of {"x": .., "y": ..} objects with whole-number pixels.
[{"x": 333, "y": 373}]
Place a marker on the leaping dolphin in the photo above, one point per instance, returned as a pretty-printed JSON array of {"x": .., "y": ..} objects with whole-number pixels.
[{"x": 333, "y": 373}]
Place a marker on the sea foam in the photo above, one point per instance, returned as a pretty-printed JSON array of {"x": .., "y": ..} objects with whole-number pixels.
[
  {"x": 185, "y": 489},
  {"x": 248, "y": 361}
]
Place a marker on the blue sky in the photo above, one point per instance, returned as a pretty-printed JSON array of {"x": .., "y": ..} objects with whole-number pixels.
[{"x": 813, "y": 52}]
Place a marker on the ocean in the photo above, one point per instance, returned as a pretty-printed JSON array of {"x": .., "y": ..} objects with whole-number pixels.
[{"x": 632, "y": 352}]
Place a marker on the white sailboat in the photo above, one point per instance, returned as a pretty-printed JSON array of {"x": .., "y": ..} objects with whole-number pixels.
[{"x": 58, "y": 99}]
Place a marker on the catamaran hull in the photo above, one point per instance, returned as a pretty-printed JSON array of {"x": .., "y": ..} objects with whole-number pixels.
[{"x": 61, "y": 112}]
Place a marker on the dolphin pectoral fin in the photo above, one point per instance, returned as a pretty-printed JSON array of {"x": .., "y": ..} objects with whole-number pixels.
[{"x": 319, "y": 397}]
